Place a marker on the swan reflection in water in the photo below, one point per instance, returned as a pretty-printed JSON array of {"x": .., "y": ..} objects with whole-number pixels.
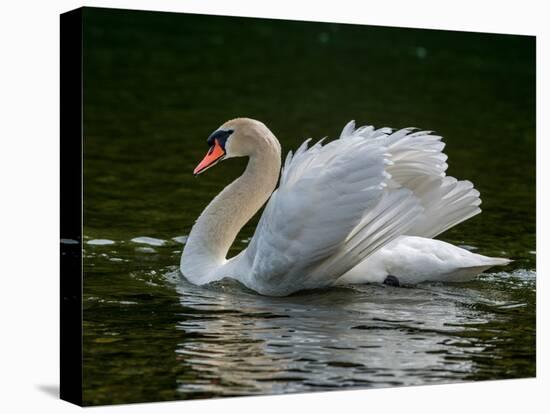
[{"x": 357, "y": 336}]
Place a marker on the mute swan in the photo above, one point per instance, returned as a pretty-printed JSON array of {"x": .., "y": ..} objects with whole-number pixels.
[{"x": 362, "y": 208}]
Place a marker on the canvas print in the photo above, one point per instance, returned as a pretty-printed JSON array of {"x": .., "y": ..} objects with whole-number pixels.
[{"x": 273, "y": 207}]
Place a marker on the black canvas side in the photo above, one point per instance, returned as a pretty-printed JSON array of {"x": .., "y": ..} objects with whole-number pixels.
[{"x": 71, "y": 206}]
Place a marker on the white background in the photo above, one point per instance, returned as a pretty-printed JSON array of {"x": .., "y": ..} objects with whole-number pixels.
[{"x": 29, "y": 206}]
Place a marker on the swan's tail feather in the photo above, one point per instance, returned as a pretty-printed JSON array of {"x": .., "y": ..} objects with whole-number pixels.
[
  {"x": 447, "y": 202},
  {"x": 467, "y": 273},
  {"x": 499, "y": 261}
]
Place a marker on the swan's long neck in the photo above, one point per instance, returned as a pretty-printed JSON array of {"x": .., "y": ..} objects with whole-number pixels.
[{"x": 218, "y": 225}]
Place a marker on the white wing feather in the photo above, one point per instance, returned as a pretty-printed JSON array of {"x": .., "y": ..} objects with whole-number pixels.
[
  {"x": 339, "y": 203},
  {"x": 419, "y": 165},
  {"x": 332, "y": 209}
]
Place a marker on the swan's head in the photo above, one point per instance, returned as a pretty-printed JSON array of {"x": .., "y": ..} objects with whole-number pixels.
[{"x": 240, "y": 137}]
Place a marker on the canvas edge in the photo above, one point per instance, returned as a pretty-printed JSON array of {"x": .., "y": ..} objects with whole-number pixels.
[{"x": 71, "y": 206}]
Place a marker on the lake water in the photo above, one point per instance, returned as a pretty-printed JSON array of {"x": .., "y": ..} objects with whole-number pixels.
[{"x": 156, "y": 85}]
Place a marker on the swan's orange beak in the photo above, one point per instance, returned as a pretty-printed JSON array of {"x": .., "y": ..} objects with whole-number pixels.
[{"x": 214, "y": 154}]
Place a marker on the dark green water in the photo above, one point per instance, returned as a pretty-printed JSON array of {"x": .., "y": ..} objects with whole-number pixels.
[{"x": 157, "y": 84}]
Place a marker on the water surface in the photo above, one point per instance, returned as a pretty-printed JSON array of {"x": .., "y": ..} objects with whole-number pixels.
[{"x": 156, "y": 85}]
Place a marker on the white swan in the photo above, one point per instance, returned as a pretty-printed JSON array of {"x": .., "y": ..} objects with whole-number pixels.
[{"x": 362, "y": 208}]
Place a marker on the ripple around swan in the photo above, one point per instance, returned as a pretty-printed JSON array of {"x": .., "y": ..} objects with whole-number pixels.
[
  {"x": 223, "y": 339},
  {"x": 357, "y": 336},
  {"x": 100, "y": 242},
  {"x": 180, "y": 239},
  {"x": 151, "y": 241}
]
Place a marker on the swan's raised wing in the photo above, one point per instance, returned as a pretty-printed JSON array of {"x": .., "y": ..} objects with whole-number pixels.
[
  {"x": 308, "y": 235},
  {"x": 419, "y": 164}
]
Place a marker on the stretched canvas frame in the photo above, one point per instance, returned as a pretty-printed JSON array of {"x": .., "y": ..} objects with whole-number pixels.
[{"x": 72, "y": 179}]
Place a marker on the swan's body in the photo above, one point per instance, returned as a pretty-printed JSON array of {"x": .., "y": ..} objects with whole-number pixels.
[
  {"x": 417, "y": 259},
  {"x": 356, "y": 210}
]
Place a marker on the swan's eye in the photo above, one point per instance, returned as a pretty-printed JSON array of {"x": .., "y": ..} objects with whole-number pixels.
[{"x": 220, "y": 135}]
